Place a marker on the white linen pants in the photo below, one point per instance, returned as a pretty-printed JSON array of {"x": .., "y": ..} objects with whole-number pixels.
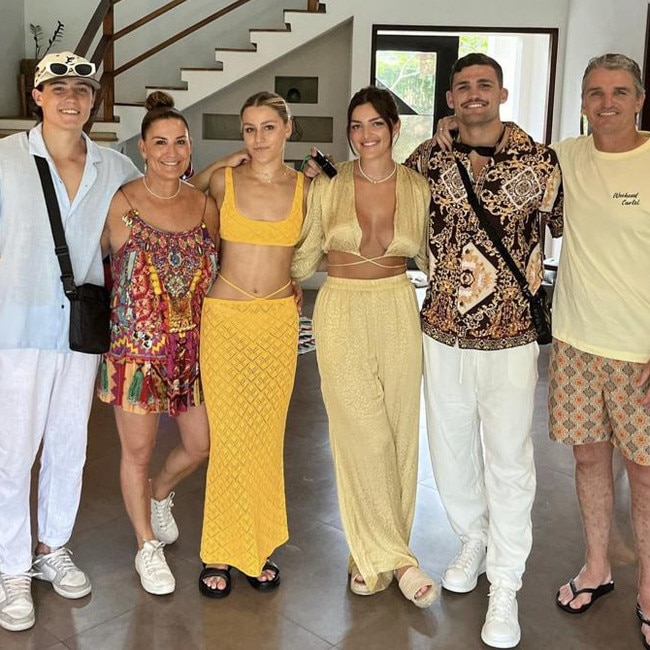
[
  {"x": 45, "y": 396},
  {"x": 479, "y": 407}
]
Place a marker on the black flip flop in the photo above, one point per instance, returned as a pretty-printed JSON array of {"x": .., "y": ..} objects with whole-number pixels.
[
  {"x": 642, "y": 617},
  {"x": 266, "y": 585},
  {"x": 213, "y": 572},
  {"x": 595, "y": 592}
]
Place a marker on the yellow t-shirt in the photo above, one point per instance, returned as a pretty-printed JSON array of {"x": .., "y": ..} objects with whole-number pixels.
[{"x": 601, "y": 303}]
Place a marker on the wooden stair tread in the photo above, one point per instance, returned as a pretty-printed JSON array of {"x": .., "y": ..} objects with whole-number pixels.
[
  {"x": 321, "y": 10},
  {"x": 164, "y": 88},
  {"x": 5, "y": 132},
  {"x": 103, "y": 136},
  {"x": 201, "y": 69},
  {"x": 99, "y": 136},
  {"x": 236, "y": 49},
  {"x": 271, "y": 31}
]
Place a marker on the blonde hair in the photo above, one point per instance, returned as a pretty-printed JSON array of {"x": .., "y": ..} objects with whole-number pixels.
[{"x": 272, "y": 100}]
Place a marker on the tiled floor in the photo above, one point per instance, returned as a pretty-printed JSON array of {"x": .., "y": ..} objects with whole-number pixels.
[{"x": 313, "y": 609}]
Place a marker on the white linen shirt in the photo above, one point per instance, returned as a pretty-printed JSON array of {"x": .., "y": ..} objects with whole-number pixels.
[{"x": 34, "y": 311}]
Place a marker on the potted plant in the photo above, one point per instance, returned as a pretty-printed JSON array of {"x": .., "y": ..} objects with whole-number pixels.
[{"x": 28, "y": 66}]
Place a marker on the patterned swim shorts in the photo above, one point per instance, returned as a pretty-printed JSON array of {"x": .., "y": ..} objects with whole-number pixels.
[{"x": 594, "y": 399}]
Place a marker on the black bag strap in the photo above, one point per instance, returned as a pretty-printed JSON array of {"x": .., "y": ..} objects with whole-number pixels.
[
  {"x": 60, "y": 244},
  {"x": 492, "y": 233}
]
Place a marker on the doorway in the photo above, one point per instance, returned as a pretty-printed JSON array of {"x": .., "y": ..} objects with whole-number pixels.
[{"x": 414, "y": 64}]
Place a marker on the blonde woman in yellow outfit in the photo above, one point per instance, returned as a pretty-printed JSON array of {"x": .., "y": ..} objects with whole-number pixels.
[
  {"x": 249, "y": 338},
  {"x": 367, "y": 220}
]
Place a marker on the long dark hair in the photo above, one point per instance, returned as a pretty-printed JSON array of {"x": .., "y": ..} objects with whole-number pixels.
[{"x": 381, "y": 100}]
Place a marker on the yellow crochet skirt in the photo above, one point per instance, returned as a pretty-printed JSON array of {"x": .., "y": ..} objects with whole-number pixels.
[{"x": 248, "y": 365}]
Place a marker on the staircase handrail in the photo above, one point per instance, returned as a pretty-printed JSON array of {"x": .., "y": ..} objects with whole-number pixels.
[{"x": 104, "y": 54}]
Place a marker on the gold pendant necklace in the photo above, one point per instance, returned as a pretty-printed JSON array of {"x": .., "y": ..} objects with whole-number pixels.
[
  {"x": 269, "y": 178},
  {"x": 163, "y": 198},
  {"x": 372, "y": 180}
]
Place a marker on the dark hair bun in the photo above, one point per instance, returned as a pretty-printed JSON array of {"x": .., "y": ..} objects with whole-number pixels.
[{"x": 158, "y": 99}]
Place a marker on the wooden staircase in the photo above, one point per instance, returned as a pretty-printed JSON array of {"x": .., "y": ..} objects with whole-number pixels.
[{"x": 267, "y": 45}]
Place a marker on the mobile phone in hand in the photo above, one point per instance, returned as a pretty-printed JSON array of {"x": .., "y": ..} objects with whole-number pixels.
[{"x": 324, "y": 164}]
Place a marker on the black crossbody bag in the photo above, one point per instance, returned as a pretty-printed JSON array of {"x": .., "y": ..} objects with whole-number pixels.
[
  {"x": 540, "y": 305},
  {"x": 89, "y": 303}
]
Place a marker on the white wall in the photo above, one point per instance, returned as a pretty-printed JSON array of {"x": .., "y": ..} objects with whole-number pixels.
[
  {"x": 596, "y": 27},
  {"x": 11, "y": 51},
  {"x": 74, "y": 14}
]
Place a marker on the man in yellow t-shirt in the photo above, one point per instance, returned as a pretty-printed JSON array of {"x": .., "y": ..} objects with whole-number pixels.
[{"x": 599, "y": 397}]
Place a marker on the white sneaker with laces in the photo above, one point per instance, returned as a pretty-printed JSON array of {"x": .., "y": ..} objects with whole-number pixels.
[
  {"x": 462, "y": 573},
  {"x": 162, "y": 521},
  {"x": 501, "y": 628},
  {"x": 58, "y": 568},
  {"x": 150, "y": 563},
  {"x": 16, "y": 604}
]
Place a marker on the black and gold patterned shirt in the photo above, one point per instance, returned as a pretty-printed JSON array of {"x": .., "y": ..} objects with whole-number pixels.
[{"x": 473, "y": 299}]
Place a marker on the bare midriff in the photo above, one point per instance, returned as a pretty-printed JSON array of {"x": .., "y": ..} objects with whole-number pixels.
[
  {"x": 251, "y": 271},
  {"x": 342, "y": 264}
]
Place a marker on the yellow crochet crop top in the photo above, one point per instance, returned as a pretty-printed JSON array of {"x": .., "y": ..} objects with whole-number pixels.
[{"x": 235, "y": 227}]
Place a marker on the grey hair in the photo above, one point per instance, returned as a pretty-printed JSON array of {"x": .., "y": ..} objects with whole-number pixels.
[{"x": 613, "y": 61}]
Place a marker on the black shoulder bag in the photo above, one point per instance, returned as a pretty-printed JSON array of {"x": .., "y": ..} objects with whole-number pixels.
[
  {"x": 89, "y": 303},
  {"x": 540, "y": 305}
]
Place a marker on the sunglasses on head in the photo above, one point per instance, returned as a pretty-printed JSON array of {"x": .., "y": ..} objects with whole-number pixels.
[{"x": 79, "y": 69}]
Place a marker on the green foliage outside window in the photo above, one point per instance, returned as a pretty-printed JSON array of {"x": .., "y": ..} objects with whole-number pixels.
[{"x": 411, "y": 77}]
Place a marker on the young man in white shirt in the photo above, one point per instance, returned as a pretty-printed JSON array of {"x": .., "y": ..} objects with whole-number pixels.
[{"x": 46, "y": 389}]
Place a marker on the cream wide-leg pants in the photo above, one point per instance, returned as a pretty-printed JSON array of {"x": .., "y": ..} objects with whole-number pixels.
[
  {"x": 45, "y": 396},
  {"x": 369, "y": 350},
  {"x": 479, "y": 406}
]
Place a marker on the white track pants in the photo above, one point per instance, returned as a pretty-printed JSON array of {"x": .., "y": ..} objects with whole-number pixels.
[
  {"x": 479, "y": 407},
  {"x": 45, "y": 396}
]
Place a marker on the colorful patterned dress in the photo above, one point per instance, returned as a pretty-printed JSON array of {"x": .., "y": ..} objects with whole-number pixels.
[{"x": 159, "y": 281}]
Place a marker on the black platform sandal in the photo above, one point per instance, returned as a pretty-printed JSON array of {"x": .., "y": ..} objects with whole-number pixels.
[
  {"x": 213, "y": 572},
  {"x": 266, "y": 585},
  {"x": 644, "y": 620}
]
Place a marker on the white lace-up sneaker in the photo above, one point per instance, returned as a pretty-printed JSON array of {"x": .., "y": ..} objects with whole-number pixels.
[
  {"x": 16, "y": 604},
  {"x": 150, "y": 563},
  {"x": 162, "y": 521},
  {"x": 462, "y": 574},
  {"x": 58, "y": 568},
  {"x": 501, "y": 628}
]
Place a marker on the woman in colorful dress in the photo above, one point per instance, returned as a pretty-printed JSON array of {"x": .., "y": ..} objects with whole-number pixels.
[
  {"x": 249, "y": 338},
  {"x": 367, "y": 220},
  {"x": 162, "y": 234}
]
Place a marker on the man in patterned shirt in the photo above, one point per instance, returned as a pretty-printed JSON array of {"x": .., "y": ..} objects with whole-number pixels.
[
  {"x": 479, "y": 341},
  {"x": 599, "y": 396}
]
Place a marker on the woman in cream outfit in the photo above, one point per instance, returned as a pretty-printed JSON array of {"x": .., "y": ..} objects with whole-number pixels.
[{"x": 367, "y": 220}]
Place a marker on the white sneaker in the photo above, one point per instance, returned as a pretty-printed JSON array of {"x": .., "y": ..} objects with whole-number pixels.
[
  {"x": 155, "y": 576},
  {"x": 58, "y": 568},
  {"x": 462, "y": 574},
  {"x": 162, "y": 521},
  {"x": 501, "y": 628},
  {"x": 16, "y": 604}
]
